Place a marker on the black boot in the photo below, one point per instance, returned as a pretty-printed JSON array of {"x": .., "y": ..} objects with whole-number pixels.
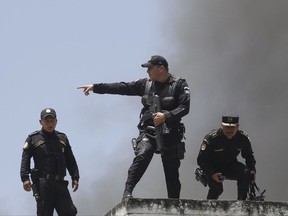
[{"x": 127, "y": 194}]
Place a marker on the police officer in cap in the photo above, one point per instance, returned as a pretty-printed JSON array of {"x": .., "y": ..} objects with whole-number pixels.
[
  {"x": 52, "y": 155},
  {"x": 218, "y": 158},
  {"x": 175, "y": 101}
]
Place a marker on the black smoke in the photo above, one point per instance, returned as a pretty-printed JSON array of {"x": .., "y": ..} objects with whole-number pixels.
[{"x": 233, "y": 55}]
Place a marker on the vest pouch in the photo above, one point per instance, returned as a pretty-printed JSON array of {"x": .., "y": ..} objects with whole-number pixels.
[
  {"x": 151, "y": 131},
  {"x": 144, "y": 100},
  {"x": 167, "y": 103}
]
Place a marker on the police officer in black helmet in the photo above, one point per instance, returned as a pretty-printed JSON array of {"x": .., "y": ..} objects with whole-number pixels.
[
  {"x": 218, "y": 157},
  {"x": 175, "y": 101},
  {"x": 52, "y": 155}
]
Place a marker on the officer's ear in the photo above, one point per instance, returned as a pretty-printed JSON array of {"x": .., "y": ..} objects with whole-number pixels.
[{"x": 161, "y": 67}]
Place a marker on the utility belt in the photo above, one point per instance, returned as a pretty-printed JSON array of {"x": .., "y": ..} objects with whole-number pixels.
[
  {"x": 167, "y": 128},
  {"x": 52, "y": 177},
  {"x": 150, "y": 132}
]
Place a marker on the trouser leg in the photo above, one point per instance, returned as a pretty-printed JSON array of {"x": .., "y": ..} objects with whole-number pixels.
[
  {"x": 144, "y": 154},
  {"x": 238, "y": 171},
  {"x": 171, "y": 171},
  {"x": 46, "y": 204},
  {"x": 64, "y": 203},
  {"x": 215, "y": 189}
]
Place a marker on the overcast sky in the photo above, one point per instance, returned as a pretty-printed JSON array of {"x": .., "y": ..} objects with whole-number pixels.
[{"x": 232, "y": 53}]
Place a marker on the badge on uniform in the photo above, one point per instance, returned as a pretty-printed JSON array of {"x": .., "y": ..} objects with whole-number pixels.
[
  {"x": 186, "y": 90},
  {"x": 38, "y": 143},
  {"x": 62, "y": 142},
  {"x": 203, "y": 146}
]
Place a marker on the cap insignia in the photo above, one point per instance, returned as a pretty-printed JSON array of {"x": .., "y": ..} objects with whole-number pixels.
[
  {"x": 47, "y": 110},
  {"x": 230, "y": 119}
]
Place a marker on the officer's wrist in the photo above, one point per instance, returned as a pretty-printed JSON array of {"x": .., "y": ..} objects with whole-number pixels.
[
  {"x": 25, "y": 178},
  {"x": 167, "y": 114},
  {"x": 75, "y": 179}
]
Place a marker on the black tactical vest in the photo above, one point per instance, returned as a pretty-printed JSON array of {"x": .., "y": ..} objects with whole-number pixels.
[
  {"x": 49, "y": 158},
  {"x": 166, "y": 94}
]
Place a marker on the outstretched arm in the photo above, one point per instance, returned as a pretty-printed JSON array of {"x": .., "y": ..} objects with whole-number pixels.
[{"x": 134, "y": 88}]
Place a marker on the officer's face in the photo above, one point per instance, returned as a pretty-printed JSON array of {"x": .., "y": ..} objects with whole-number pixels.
[
  {"x": 154, "y": 72},
  {"x": 48, "y": 124},
  {"x": 229, "y": 131}
]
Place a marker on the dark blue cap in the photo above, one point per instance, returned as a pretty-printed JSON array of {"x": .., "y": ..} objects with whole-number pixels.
[
  {"x": 156, "y": 60},
  {"x": 47, "y": 112}
]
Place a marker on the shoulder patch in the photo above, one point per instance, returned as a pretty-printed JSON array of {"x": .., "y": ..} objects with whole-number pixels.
[
  {"x": 26, "y": 146},
  {"x": 58, "y": 132},
  {"x": 214, "y": 134},
  {"x": 244, "y": 133},
  {"x": 186, "y": 90},
  {"x": 203, "y": 146},
  {"x": 61, "y": 135},
  {"x": 34, "y": 133}
]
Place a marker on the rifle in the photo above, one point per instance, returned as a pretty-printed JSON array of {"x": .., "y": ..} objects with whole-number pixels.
[
  {"x": 252, "y": 193},
  {"x": 34, "y": 179},
  {"x": 200, "y": 176},
  {"x": 154, "y": 107}
]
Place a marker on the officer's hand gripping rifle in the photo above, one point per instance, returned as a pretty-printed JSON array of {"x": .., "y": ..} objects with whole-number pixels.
[
  {"x": 154, "y": 107},
  {"x": 34, "y": 179}
]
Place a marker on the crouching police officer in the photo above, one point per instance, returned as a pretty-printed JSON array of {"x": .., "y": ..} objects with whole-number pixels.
[
  {"x": 52, "y": 154},
  {"x": 218, "y": 158}
]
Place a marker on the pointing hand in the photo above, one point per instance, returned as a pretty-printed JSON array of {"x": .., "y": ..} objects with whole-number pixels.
[{"x": 86, "y": 89}]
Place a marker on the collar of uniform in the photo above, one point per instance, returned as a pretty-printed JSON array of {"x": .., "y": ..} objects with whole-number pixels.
[
  {"x": 167, "y": 81},
  {"x": 170, "y": 79},
  {"x": 221, "y": 132},
  {"x": 46, "y": 133}
]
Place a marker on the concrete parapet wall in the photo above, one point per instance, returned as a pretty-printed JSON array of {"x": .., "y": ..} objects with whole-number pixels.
[{"x": 135, "y": 206}]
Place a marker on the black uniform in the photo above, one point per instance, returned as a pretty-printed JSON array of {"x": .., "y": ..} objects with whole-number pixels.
[
  {"x": 52, "y": 154},
  {"x": 219, "y": 154},
  {"x": 175, "y": 101}
]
